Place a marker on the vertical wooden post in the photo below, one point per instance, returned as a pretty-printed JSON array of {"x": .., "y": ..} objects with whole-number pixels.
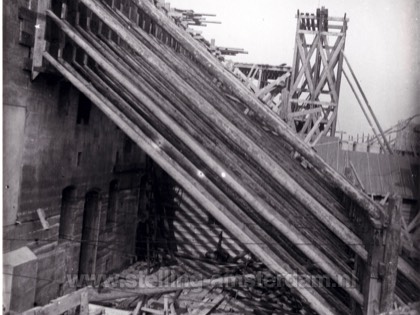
[
  {"x": 84, "y": 303},
  {"x": 39, "y": 40},
  {"x": 371, "y": 282},
  {"x": 391, "y": 254},
  {"x": 381, "y": 269}
]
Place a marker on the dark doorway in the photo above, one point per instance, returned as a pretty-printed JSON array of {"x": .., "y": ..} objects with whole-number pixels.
[
  {"x": 111, "y": 215},
  {"x": 68, "y": 209},
  {"x": 90, "y": 233}
]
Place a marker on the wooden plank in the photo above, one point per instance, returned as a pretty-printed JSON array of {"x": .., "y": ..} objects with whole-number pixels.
[
  {"x": 314, "y": 128},
  {"x": 357, "y": 176},
  {"x": 41, "y": 216},
  {"x": 63, "y": 304},
  {"x": 368, "y": 106},
  {"x": 305, "y": 112},
  {"x": 414, "y": 223},
  {"x": 379, "y": 188},
  {"x": 84, "y": 303},
  {"x": 383, "y": 160},
  {"x": 391, "y": 253},
  {"x": 173, "y": 310},
  {"x": 369, "y": 172},
  {"x": 151, "y": 311},
  {"x": 339, "y": 34},
  {"x": 359, "y": 161},
  {"x": 384, "y": 199},
  {"x": 331, "y": 65},
  {"x": 408, "y": 271},
  {"x": 165, "y": 305},
  {"x": 330, "y": 72},
  {"x": 39, "y": 38},
  {"x": 305, "y": 60},
  {"x": 303, "y": 102},
  {"x": 100, "y": 310},
  {"x": 371, "y": 283},
  {"x": 329, "y": 18},
  {"x": 207, "y": 306},
  {"x": 32, "y": 311}
]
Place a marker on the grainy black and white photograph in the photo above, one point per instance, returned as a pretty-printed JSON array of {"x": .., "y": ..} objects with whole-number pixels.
[{"x": 211, "y": 157}]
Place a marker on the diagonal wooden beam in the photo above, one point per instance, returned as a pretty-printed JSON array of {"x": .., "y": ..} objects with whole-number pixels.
[
  {"x": 262, "y": 207},
  {"x": 333, "y": 61},
  {"x": 191, "y": 184},
  {"x": 330, "y": 72},
  {"x": 284, "y": 179},
  {"x": 305, "y": 59},
  {"x": 212, "y": 65},
  {"x": 306, "y": 62}
]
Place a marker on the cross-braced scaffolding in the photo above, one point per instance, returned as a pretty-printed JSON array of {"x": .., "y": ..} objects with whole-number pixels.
[{"x": 316, "y": 74}]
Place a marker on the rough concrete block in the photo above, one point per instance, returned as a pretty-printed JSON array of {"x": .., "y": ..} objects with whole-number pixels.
[
  {"x": 19, "y": 283},
  {"x": 13, "y": 136},
  {"x": 51, "y": 267}
]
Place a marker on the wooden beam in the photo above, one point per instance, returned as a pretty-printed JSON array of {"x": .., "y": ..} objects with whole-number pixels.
[
  {"x": 414, "y": 223},
  {"x": 39, "y": 38},
  {"x": 368, "y": 106},
  {"x": 305, "y": 112},
  {"x": 357, "y": 176},
  {"x": 380, "y": 140},
  {"x": 391, "y": 253},
  {"x": 265, "y": 114},
  {"x": 266, "y": 161},
  {"x": 314, "y": 128},
  {"x": 63, "y": 304},
  {"x": 190, "y": 183},
  {"x": 271, "y": 215},
  {"x": 207, "y": 306},
  {"x": 42, "y": 218}
]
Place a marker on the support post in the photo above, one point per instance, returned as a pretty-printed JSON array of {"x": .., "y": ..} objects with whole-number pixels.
[
  {"x": 381, "y": 269},
  {"x": 391, "y": 253},
  {"x": 39, "y": 38}
]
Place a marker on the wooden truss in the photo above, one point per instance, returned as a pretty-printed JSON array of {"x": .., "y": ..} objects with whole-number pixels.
[
  {"x": 316, "y": 75},
  {"x": 266, "y": 81}
]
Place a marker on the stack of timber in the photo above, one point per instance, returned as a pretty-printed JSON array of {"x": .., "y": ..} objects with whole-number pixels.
[
  {"x": 202, "y": 286},
  {"x": 231, "y": 154},
  {"x": 187, "y": 18}
]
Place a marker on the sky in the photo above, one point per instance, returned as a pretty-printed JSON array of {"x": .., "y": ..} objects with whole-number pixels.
[{"x": 382, "y": 45}]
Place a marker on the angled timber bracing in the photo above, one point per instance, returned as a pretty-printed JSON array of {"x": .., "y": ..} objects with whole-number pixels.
[
  {"x": 266, "y": 81},
  {"x": 316, "y": 74},
  {"x": 264, "y": 185}
]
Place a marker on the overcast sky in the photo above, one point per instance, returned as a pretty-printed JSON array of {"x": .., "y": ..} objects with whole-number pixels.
[{"x": 382, "y": 45}]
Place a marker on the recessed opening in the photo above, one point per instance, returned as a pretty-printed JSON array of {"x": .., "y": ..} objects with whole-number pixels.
[
  {"x": 112, "y": 203},
  {"x": 117, "y": 157},
  {"x": 64, "y": 98},
  {"x": 90, "y": 234},
  {"x": 83, "y": 110},
  {"x": 79, "y": 158},
  {"x": 68, "y": 207},
  {"x": 128, "y": 145}
]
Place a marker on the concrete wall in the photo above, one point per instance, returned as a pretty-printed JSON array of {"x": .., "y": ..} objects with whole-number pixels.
[{"x": 45, "y": 151}]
